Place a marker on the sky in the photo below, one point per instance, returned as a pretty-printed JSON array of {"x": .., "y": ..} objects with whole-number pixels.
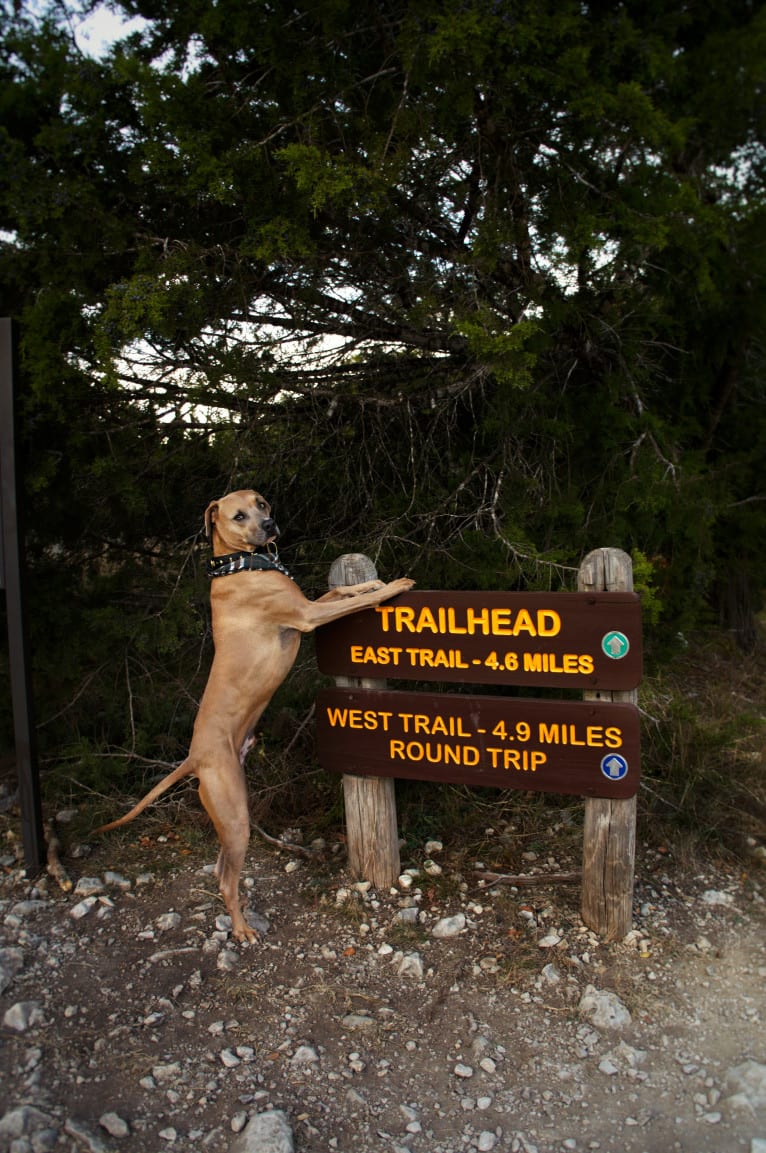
[{"x": 97, "y": 32}]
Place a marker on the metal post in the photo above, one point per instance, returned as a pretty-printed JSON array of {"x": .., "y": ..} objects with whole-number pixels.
[{"x": 11, "y": 565}]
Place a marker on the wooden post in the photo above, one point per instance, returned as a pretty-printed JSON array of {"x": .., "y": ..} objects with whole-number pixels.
[
  {"x": 370, "y": 802},
  {"x": 12, "y": 580},
  {"x": 609, "y": 836}
]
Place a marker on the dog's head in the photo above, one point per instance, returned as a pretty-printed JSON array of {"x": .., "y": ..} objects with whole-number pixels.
[{"x": 240, "y": 520}]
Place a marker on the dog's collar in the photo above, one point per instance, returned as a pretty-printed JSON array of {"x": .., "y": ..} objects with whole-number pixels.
[{"x": 243, "y": 562}]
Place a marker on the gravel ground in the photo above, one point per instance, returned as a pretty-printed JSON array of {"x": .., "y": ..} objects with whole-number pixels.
[{"x": 446, "y": 1016}]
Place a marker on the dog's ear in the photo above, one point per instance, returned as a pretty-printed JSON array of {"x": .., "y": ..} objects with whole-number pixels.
[{"x": 209, "y": 512}]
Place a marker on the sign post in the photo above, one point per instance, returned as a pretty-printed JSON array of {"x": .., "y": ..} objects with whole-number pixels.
[
  {"x": 370, "y": 803},
  {"x": 589, "y": 640},
  {"x": 609, "y": 835}
]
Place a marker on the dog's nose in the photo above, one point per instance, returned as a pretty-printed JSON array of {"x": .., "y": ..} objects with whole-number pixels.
[{"x": 269, "y": 526}]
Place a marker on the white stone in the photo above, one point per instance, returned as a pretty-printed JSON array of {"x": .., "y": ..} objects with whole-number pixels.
[
  {"x": 749, "y": 1079},
  {"x": 304, "y": 1055},
  {"x": 358, "y": 1021},
  {"x": 114, "y": 1125},
  {"x": 167, "y": 921},
  {"x": 431, "y": 868},
  {"x": 464, "y": 1071},
  {"x": 432, "y": 847},
  {"x": 88, "y": 886},
  {"x": 22, "y": 1016},
  {"x": 449, "y": 926},
  {"x": 229, "y": 1058},
  {"x": 265, "y": 1133},
  {"x": 163, "y": 1074},
  {"x": 117, "y": 880},
  {"x": 411, "y": 965},
  {"x": 549, "y": 941},
  {"x": 11, "y": 962},
  {"x": 82, "y": 908},
  {"x": 716, "y": 897},
  {"x": 227, "y": 961},
  {"x": 487, "y": 1141},
  {"x": 20, "y": 1121},
  {"x": 603, "y": 1009}
]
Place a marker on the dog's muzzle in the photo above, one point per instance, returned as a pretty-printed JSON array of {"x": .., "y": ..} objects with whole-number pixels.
[{"x": 271, "y": 528}]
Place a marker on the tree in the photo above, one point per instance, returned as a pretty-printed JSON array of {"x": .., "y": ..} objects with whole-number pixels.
[{"x": 473, "y": 287}]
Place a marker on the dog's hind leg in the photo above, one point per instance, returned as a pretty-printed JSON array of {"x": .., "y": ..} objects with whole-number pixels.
[{"x": 224, "y": 795}]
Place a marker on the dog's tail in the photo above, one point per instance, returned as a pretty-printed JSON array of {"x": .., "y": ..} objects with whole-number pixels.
[{"x": 183, "y": 770}]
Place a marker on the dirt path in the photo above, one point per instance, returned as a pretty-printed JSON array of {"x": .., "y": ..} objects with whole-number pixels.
[{"x": 139, "y": 1026}]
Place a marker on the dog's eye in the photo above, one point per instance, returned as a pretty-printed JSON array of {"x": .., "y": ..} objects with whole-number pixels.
[
  {"x": 239, "y": 516},
  {"x": 262, "y": 505}
]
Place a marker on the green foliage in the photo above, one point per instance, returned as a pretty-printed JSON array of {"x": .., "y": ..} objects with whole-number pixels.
[{"x": 469, "y": 286}]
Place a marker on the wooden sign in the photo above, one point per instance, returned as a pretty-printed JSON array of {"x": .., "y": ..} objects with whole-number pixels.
[
  {"x": 562, "y": 640},
  {"x": 585, "y": 748}
]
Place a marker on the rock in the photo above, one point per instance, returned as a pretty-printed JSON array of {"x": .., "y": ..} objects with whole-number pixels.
[
  {"x": 257, "y": 921},
  {"x": 603, "y": 1009},
  {"x": 408, "y": 916},
  {"x": 11, "y": 962},
  {"x": 431, "y": 868},
  {"x": 716, "y": 897},
  {"x": 748, "y": 1079},
  {"x": 304, "y": 1055},
  {"x": 551, "y": 974},
  {"x": 432, "y": 847},
  {"x": 22, "y": 1016},
  {"x": 88, "y": 887},
  {"x": 164, "y": 1074},
  {"x": 411, "y": 965},
  {"x": 449, "y": 926},
  {"x": 238, "y": 1121},
  {"x": 550, "y": 941},
  {"x": 227, "y": 960},
  {"x": 168, "y": 921},
  {"x": 114, "y": 1125},
  {"x": 265, "y": 1133},
  {"x": 486, "y": 1141},
  {"x": 117, "y": 880},
  {"x": 82, "y": 908},
  {"x": 463, "y": 1071},
  {"x": 358, "y": 1021},
  {"x": 84, "y": 1136},
  {"x": 21, "y": 1122}
]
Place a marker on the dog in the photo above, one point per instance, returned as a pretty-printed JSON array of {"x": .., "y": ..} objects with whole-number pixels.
[{"x": 258, "y": 616}]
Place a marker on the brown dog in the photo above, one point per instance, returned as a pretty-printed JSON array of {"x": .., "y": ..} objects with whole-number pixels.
[{"x": 258, "y": 616}]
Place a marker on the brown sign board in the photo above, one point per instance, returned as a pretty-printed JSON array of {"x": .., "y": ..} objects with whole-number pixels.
[
  {"x": 584, "y": 748},
  {"x": 562, "y": 640}
]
